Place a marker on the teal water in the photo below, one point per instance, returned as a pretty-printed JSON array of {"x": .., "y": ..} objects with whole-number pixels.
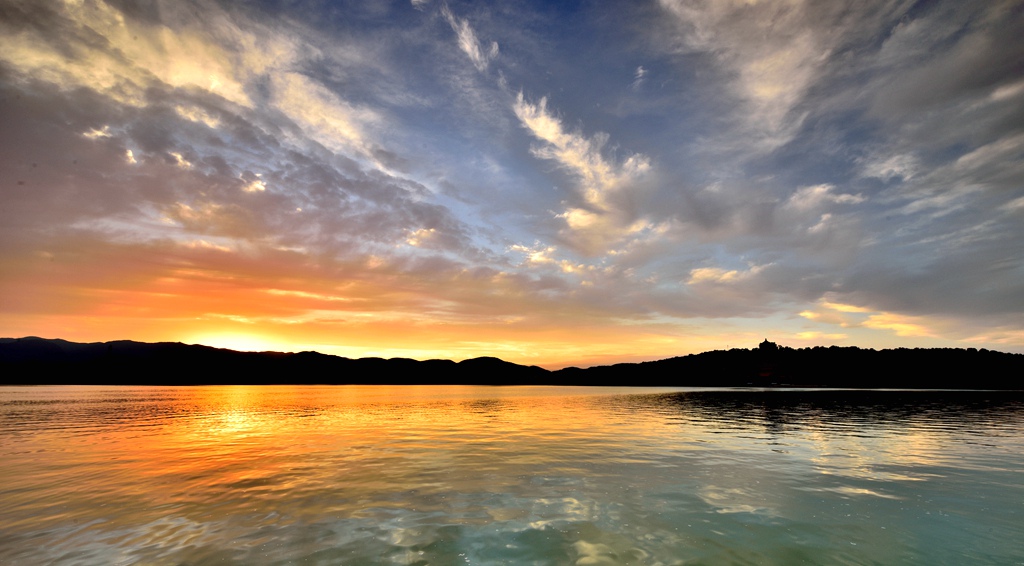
[{"x": 508, "y": 475}]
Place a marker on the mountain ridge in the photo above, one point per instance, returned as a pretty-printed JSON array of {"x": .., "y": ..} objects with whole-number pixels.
[{"x": 34, "y": 360}]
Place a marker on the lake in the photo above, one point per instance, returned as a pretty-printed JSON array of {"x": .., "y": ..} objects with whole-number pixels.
[{"x": 509, "y": 475}]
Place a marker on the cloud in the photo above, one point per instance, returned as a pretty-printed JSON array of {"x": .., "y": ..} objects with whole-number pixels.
[
  {"x": 542, "y": 256},
  {"x": 947, "y": 53},
  {"x": 218, "y": 125},
  {"x": 221, "y": 55},
  {"x": 819, "y": 168},
  {"x": 1004, "y": 336},
  {"x": 638, "y": 77},
  {"x": 600, "y": 219},
  {"x": 323, "y": 116},
  {"x": 817, "y": 196},
  {"x": 944, "y": 92},
  {"x": 841, "y": 307},
  {"x": 468, "y": 42},
  {"x": 1014, "y": 205},
  {"x": 941, "y": 328},
  {"x": 903, "y": 167},
  {"x": 132, "y": 54},
  {"x": 901, "y": 325},
  {"x": 772, "y": 52},
  {"x": 719, "y": 275},
  {"x": 819, "y": 336}
]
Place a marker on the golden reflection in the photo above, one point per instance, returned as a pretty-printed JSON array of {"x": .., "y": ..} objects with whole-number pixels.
[
  {"x": 162, "y": 472},
  {"x": 239, "y": 427}
]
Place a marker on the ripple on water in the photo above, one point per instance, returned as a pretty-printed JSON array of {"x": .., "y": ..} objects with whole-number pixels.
[{"x": 363, "y": 475}]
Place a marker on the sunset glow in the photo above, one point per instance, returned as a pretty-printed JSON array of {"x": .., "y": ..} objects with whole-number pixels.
[{"x": 550, "y": 185}]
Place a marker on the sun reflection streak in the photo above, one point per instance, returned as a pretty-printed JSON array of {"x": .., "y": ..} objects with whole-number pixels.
[{"x": 171, "y": 473}]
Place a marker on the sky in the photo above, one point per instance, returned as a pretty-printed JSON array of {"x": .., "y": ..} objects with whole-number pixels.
[{"x": 551, "y": 183}]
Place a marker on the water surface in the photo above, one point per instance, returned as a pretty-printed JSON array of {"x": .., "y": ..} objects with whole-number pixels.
[{"x": 508, "y": 475}]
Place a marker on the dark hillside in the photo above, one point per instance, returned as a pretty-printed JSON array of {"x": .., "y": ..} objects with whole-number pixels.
[{"x": 29, "y": 361}]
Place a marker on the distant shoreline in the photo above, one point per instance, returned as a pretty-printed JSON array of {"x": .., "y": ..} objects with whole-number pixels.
[{"x": 39, "y": 361}]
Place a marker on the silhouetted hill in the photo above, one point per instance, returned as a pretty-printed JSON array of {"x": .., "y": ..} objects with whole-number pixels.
[
  {"x": 33, "y": 360},
  {"x": 933, "y": 368}
]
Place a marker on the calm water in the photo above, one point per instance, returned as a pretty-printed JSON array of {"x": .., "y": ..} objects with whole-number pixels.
[{"x": 517, "y": 475}]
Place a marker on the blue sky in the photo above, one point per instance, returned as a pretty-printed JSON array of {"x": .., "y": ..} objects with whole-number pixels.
[{"x": 568, "y": 183}]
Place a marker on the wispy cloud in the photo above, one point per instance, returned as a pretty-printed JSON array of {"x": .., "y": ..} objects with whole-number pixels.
[
  {"x": 639, "y": 76},
  {"x": 773, "y": 52},
  {"x": 814, "y": 197},
  {"x": 697, "y": 174},
  {"x": 600, "y": 219},
  {"x": 468, "y": 42}
]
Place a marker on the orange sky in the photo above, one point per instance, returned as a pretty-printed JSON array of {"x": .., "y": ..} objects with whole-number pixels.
[{"x": 282, "y": 301}]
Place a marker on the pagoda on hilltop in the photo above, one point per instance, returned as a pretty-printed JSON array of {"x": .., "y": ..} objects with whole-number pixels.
[{"x": 766, "y": 367}]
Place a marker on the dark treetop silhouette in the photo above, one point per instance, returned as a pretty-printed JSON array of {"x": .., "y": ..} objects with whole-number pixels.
[{"x": 31, "y": 360}]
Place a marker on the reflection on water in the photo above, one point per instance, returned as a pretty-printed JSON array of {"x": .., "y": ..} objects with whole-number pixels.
[{"x": 512, "y": 475}]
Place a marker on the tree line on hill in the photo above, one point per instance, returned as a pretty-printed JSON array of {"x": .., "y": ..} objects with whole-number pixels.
[{"x": 28, "y": 361}]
